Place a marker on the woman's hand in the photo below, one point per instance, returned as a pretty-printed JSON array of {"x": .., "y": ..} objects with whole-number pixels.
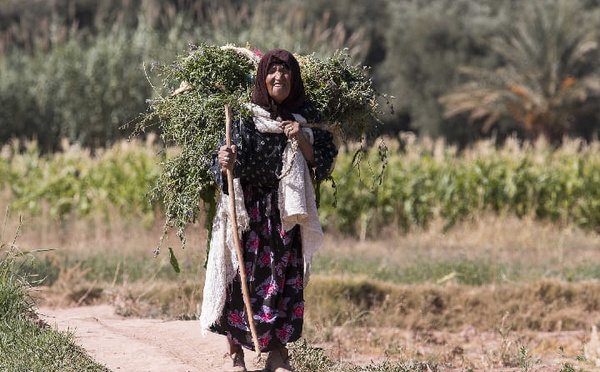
[
  {"x": 293, "y": 129},
  {"x": 226, "y": 157}
]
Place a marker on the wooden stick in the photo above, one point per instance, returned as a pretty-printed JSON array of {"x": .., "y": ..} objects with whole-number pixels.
[{"x": 236, "y": 239}]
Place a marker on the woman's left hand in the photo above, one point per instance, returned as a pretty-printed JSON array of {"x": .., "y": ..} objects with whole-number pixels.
[{"x": 291, "y": 128}]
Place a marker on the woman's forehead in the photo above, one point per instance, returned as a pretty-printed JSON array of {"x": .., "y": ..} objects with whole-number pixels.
[{"x": 276, "y": 63}]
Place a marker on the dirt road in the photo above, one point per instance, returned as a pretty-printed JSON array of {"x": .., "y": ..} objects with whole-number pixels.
[
  {"x": 154, "y": 345},
  {"x": 142, "y": 345}
]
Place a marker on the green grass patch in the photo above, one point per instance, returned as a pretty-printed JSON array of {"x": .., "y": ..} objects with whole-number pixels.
[
  {"x": 40, "y": 270},
  {"x": 27, "y": 344},
  {"x": 581, "y": 272},
  {"x": 456, "y": 270},
  {"x": 460, "y": 270},
  {"x": 105, "y": 268},
  {"x": 307, "y": 358}
]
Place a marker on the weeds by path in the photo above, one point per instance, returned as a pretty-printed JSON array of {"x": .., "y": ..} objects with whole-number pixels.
[
  {"x": 27, "y": 344},
  {"x": 307, "y": 358}
]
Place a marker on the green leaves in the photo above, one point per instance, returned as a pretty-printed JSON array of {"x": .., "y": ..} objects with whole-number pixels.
[
  {"x": 428, "y": 182},
  {"x": 420, "y": 183},
  {"x": 343, "y": 92},
  {"x": 173, "y": 261},
  {"x": 74, "y": 183},
  {"x": 192, "y": 120},
  {"x": 191, "y": 115}
]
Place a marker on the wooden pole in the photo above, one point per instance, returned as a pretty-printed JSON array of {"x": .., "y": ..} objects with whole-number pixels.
[{"x": 236, "y": 239}]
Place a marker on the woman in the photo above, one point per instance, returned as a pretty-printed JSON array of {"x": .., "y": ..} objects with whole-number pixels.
[{"x": 274, "y": 159}]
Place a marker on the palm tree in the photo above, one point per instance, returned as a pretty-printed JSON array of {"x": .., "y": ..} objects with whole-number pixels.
[{"x": 550, "y": 74}]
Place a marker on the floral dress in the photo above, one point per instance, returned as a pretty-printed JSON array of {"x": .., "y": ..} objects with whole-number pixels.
[{"x": 273, "y": 258}]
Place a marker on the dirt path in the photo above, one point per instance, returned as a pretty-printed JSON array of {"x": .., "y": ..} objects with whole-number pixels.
[
  {"x": 154, "y": 345},
  {"x": 141, "y": 345}
]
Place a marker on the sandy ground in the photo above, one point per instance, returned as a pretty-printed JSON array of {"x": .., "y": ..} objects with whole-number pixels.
[{"x": 142, "y": 345}]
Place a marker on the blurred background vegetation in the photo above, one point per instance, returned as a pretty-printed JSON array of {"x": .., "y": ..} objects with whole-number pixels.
[
  {"x": 505, "y": 73},
  {"x": 461, "y": 70}
]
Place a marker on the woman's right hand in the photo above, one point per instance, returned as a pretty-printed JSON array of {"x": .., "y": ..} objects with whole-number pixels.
[{"x": 226, "y": 157}]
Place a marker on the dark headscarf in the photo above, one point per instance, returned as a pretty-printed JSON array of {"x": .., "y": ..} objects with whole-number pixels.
[{"x": 260, "y": 95}]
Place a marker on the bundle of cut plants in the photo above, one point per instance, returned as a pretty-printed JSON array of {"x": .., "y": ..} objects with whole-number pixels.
[{"x": 189, "y": 112}]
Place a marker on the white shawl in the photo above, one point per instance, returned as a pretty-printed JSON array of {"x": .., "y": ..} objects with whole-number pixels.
[{"x": 297, "y": 205}]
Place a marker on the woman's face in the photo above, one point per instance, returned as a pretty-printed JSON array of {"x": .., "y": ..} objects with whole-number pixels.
[{"x": 279, "y": 82}]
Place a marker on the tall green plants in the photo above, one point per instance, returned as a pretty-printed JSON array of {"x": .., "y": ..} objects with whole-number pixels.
[
  {"x": 73, "y": 183},
  {"x": 426, "y": 182},
  {"x": 14, "y": 297},
  {"x": 421, "y": 182}
]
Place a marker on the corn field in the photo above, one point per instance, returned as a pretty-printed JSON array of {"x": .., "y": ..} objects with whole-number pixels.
[
  {"x": 77, "y": 183},
  {"x": 424, "y": 181},
  {"x": 408, "y": 186}
]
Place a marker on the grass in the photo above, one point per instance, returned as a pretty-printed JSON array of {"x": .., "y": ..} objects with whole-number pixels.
[
  {"x": 490, "y": 250},
  {"x": 27, "y": 344},
  {"x": 504, "y": 277},
  {"x": 460, "y": 270},
  {"x": 307, "y": 358}
]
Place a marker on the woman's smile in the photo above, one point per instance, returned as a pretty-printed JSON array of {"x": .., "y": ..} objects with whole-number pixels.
[{"x": 279, "y": 82}]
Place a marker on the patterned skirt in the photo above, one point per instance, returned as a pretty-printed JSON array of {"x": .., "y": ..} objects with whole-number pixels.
[{"x": 275, "y": 273}]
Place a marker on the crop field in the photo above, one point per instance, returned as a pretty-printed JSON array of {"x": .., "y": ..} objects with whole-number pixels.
[{"x": 484, "y": 259}]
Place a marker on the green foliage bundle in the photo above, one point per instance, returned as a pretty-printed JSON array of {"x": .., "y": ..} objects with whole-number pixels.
[
  {"x": 192, "y": 117},
  {"x": 193, "y": 120},
  {"x": 343, "y": 92}
]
